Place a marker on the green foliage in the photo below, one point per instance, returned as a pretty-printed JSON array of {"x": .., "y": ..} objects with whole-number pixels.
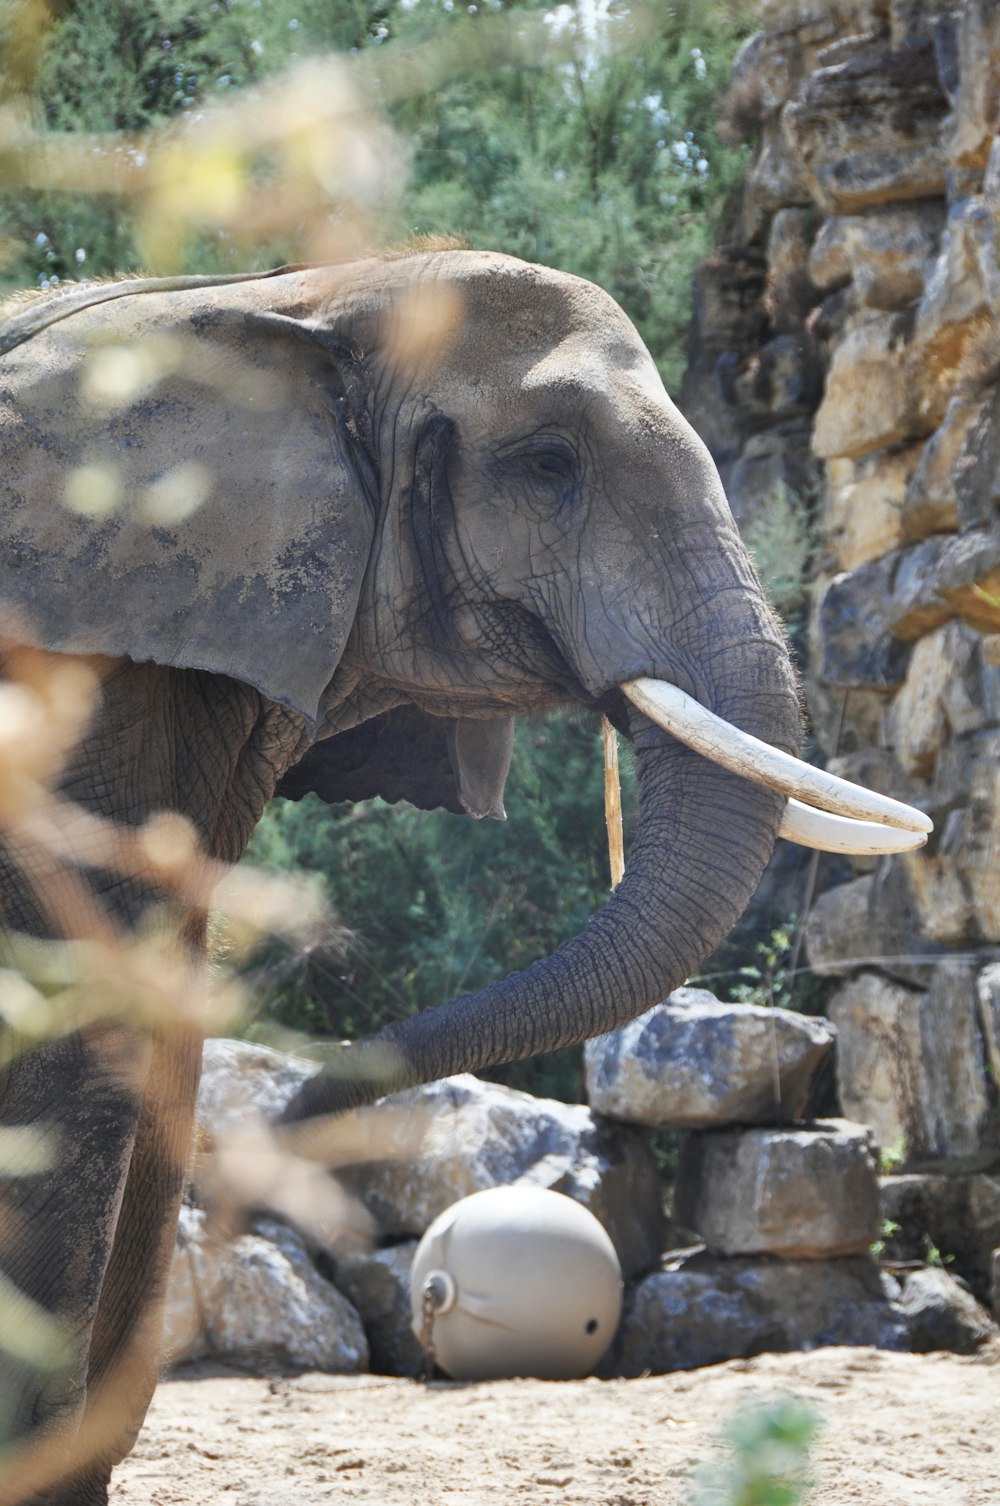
[
  {"x": 889, "y": 1227},
  {"x": 781, "y": 541},
  {"x": 601, "y": 160},
  {"x": 770, "y": 1457},
  {"x": 754, "y": 966}
]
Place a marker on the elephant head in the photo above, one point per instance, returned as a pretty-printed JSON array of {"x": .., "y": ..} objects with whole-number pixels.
[{"x": 408, "y": 499}]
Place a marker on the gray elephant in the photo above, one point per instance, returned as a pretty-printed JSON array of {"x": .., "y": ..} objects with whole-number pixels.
[{"x": 344, "y": 554}]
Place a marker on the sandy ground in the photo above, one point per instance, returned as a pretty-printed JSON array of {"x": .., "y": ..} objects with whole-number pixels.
[{"x": 898, "y": 1430}]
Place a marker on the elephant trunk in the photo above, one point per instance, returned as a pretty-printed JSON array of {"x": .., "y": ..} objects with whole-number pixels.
[{"x": 703, "y": 839}]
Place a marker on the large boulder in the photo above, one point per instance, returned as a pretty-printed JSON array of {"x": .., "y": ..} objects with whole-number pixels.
[
  {"x": 866, "y": 617},
  {"x": 404, "y": 1160},
  {"x": 957, "y": 1215},
  {"x": 802, "y": 1192},
  {"x": 775, "y": 462},
  {"x": 871, "y": 399},
  {"x": 862, "y": 504},
  {"x": 976, "y": 116},
  {"x": 947, "y": 693},
  {"x": 869, "y": 922},
  {"x": 377, "y": 1282},
  {"x": 701, "y": 1309},
  {"x": 866, "y": 130},
  {"x": 912, "y": 1065},
  {"x": 988, "y": 991},
  {"x": 955, "y": 318},
  {"x": 884, "y": 252},
  {"x": 692, "y": 1062},
  {"x": 931, "y": 505},
  {"x": 941, "y": 1313},
  {"x": 489, "y": 1136},
  {"x": 257, "y": 1299}
]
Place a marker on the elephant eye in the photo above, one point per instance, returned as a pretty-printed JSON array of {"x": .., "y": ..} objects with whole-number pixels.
[
  {"x": 541, "y": 472},
  {"x": 552, "y": 465},
  {"x": 544, "y": 461}
]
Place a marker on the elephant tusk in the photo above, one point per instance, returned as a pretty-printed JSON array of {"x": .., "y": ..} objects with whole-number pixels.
[
  {"x": 810, "y": 827},
  {"x": 741, "y": 753}
]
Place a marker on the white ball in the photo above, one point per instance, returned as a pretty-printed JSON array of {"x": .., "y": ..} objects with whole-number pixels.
[{"x": 524, "y": 1282}]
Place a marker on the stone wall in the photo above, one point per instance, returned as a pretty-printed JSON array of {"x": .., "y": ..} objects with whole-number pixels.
[{"x": 846, "y": 353}]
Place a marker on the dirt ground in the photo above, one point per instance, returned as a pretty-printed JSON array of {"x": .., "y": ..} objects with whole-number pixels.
[{"x": 898, "y": 1430}]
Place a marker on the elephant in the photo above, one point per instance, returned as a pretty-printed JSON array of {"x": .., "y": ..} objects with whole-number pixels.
[{"x": 349, "y": 522}]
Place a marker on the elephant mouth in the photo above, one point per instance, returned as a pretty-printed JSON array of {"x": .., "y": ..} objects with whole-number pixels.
[{"x": 823, "y": 810}]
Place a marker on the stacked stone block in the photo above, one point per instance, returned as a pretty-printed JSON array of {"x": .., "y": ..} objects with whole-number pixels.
[
  {"x": 787, "y": 1210},
  {"x": 870, "y": 223}
]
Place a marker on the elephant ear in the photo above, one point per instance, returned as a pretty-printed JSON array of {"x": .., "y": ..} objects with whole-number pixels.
[
  {"x": 185, "y": 482},
  {"x": 455, "y": 764}
]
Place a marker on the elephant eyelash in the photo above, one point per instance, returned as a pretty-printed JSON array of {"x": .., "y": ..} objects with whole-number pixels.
[{"x": 545, "y": 461}]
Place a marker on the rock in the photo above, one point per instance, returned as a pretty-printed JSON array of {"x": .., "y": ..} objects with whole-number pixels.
[
  {"x": 954, "y": 320},
  {"x": 945, "y": 577},
  {"x": 693, "y": 1061},
  {"x": 938, "y": 887},
  {"x": 854, "y": 648},
  {"x": 779, "y": 458},
  {"x": 775, "y": 181},
  {"x": 980, "y": 858},
  {"x": 862, "y": 506},
  {"x": 404, "y": 1160},
  {"x": 930, "y": 504},
  {"x": 489, "y": 1136},
  {"x": 728, "y": 320},
  {"x": 988, "y": 993},
  {"x": 958, "y": 869},
  {"x": 976, "y": 117},
  {"x": 995, "y": 1283},
  {"x": 830, "y": 260},
  {"x": 765, "y": 74},
  {"x": 941, "y": 698},
  {"x": 915, "y": 604},
  {"x": 884, "y": 252},
  {"x": 941, "y": 1314},
  {"x": 790, "y": 292},
  {"x": 727, "y": 290},
  {"x": 880, "y": 1072},
  {"x": 969, "y": 577},
  {"x": 803, "y": 1192},
  {"x": 701, "y": 1310},
  {"x": 872, "y": 921},
  {"x": 912, "y": 1065},
  {"x": 377, "y": 1283},
  {"x": 241, "y": 1080},
  {"x": 958, "y": 1110},
  {"x": 911, "y": 22},
  {"x": 196, "y": 1272},
  {"x": 865, "y": 615},
  {"x": 867, "y": 130},
  {"x": 872, "y": 398},
  {"x": 838, "y": 931},
  {"x": 976, "y": 477},
  {"x": 955, "y": 1215},
  {"x": 258, "y": 1299},
  {"x": 816, "y": 21},
  {"x": 780, "y": 383}
]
